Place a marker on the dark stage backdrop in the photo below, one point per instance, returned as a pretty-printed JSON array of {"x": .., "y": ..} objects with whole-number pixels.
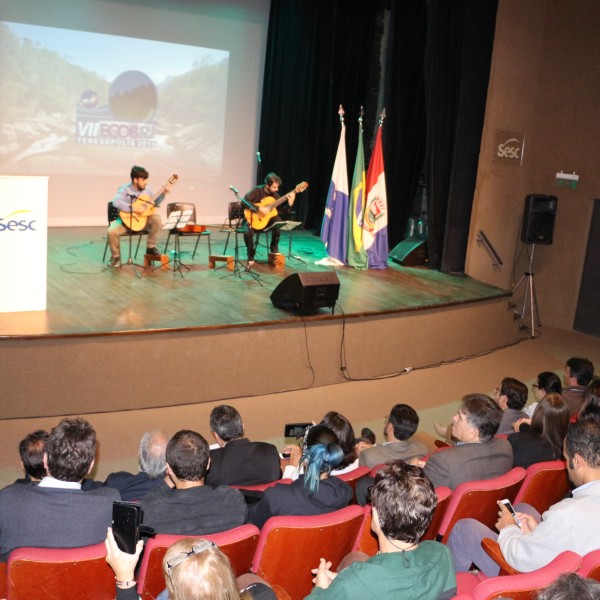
[{"x": 427, "y": 62}]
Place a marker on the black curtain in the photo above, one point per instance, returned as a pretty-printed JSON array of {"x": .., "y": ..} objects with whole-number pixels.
[{"x": 322, "y": 53}]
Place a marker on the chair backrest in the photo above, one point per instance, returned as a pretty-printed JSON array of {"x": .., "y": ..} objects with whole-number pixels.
[
  {"x": 261, "y": 487},
  {"x": 239, "y": 545},
  {"x": 3, "y": 580},
  {"x": 65, "y": 573},
  {"x": 352, "y": 477},
  {"x": 590, "y": 566},
  {"x": 289, "y": 547},
  {"x": 477, "y": 500},
  {"x": 183, "y": 206},
  {"x": 545, "y": 484},
  {"x": 112, "y": 213},
  {"x": 525, "y": 586},
  {"x": 444, "y": 495}
]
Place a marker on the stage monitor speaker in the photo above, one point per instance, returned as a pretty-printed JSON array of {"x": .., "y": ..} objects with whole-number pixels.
[
  {"x": 410, "y": 252},
  {"x": 307, "y": 291},
  {"x": 538, "y": 219}
]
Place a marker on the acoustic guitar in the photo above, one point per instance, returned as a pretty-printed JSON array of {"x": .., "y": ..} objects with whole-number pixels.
[
  {"x": 266, "y": 209},
  {"x": 137, "y": 221}
]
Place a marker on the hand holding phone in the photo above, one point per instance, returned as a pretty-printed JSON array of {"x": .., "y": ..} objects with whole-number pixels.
[{"x": 511, "y": 510}]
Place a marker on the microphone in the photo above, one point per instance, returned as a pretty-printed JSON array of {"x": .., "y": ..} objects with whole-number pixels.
[
  {"x": 258, "y": 157},
  {"x": 233, "y": 189}
]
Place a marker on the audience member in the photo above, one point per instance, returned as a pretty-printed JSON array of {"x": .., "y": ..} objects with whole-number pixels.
[
  {"x": 31, "y": 451},
  {"x": 541, "y": 438},
  {"x": 569, "y": 586},
  {"x": 546, "y": 382},
  {"x": 151, "y": 459},
  {"x": 399, "y": 427},
  {"x": 314, "y": 492},
  {"x": 578, "y": 374},
  {"x": 511, "y": 397},
  {"x": 572, "y": 524},
  {"x": 404, "y": 502},
  {"x": 192, "y": 508},
  {"x": 239, "y": 461},
  {"x": 477, "y": 454},
  {"x": 194, "y": 569},
  {"x": 340, "y": 425},
  {"x": 590, "y": 407},
  {"x": 56, "y": 513}
]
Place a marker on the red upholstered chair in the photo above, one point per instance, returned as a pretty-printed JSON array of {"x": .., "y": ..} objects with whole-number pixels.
[
  {"x": 351, "y": 477},
  {"x": 239, "y": 545},
  {"x": 444, "y": 495},
  {"x": 261, "y": 487},
  {"x": 376, "y": 470},
  {"x": 65, "y": 573},
  {"x": 590, "y": 566},
  {"x": 477, "y": 500},
  {"x": 524, "y": 586},
  {"x": 366, "y": 540},
  {"x": 289, "y": 547},
  {"x": 545, "y": 484},
  {"x": 3, "y": 581}
]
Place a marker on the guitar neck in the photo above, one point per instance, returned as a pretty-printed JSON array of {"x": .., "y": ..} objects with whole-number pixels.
[{"x": 282, "y": 199}]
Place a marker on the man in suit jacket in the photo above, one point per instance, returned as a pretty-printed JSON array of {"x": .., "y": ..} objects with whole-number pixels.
[
  {"x": 151, "y": 458},
  {"x": 56, "y": 513},
  {"x": 477, "y": 454},
  {"x": 239, "y": 461}
]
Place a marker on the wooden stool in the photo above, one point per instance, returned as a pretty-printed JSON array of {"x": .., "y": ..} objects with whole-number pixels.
[
  {"x": 215, "y": 258},
  {"x": 150, "y": 258},
  {"x": 277, "y": 260}
]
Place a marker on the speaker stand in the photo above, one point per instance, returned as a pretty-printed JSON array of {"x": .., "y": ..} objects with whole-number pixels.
[{"x": 530, "y": 304}]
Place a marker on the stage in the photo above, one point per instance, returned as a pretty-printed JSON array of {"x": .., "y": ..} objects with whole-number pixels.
[{"x": 112, "y": 340}]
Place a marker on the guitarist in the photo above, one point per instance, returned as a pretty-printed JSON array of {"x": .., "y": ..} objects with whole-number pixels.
[
  {"x": 269, "y": 189},
  {"x": 122, "y": 202}
]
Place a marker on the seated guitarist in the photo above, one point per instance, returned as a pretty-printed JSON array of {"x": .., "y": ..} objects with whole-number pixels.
[
  {"x": 255, "y": 196},
  {"x": 122, "y": 201}
]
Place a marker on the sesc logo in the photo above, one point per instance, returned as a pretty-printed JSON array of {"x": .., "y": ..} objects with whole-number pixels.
[
  {"x": 511, "y": 149},
  {"x": 19, "y": 220}
]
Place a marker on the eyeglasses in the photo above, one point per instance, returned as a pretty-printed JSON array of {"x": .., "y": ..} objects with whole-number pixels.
[{"x": 181, "y": 556}]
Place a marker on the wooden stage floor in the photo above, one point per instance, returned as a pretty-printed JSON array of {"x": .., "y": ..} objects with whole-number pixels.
[{"x": 86, "y": 299}]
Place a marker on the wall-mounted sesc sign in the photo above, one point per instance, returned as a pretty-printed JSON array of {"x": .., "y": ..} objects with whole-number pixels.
[{"x": 509, "y": 146}]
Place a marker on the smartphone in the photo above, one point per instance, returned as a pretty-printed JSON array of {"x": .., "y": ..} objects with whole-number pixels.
[
  {"x": 295, "y": 430},
  {"x": 126, "y": 521},
  {"x": 511, "y": 510}
]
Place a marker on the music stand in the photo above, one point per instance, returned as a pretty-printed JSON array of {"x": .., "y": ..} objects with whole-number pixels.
[
  {"x": 177, "y": 220},
  {"x": 289, "y": 226},
  {"x": 238, "y": 265}
]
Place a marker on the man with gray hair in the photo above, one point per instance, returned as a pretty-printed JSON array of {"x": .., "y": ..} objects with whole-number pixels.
[
  {"x": 151, "y": 458},
  {"x": 238, "y": 461}
]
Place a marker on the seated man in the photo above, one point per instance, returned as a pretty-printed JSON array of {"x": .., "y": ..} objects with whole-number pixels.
[
  {"x": 31, "y": 451},
  {"x": 192, "y": 508},
  {"x": 511, "y": 397},
  {"x": 56, "y": 513},
  {"x": 477, "y": 454},
  {"x": 404, "y": 502},
  {"x": 572, "y": 524},
  {"x": 239, "y": 461},
  {"x": 151, "y": 458},
  {"x": 578, "y": 374}
]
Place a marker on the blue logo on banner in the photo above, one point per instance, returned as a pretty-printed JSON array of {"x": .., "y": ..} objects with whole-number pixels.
[{"x": 10, "y": 223}]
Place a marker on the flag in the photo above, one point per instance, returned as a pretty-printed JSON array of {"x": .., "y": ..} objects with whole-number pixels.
[
  {"x": 334, "y": 233},
  {"x": 375, "y": 234},
  {"x": 357, "y": 257}
]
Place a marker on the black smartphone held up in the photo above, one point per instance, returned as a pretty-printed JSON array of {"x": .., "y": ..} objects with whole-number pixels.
[
  {"x": 295, "y": 430},
  {"x": 126, "y": 521},
  {"x": 511, "y": 510}
]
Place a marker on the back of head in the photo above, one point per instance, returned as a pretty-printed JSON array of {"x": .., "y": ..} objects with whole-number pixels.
[
  {"x": 550, "y": 420},
  {"x": 344, "y": 432},
  {"x": 581, "y": 369},
  {"x": 226, "y": 422},
  {"x": 590, "y": 405},
  {"x": 322, "y": 454},
  {"x": 569, "y": 586},
  {"x": 187, "y": 455},
  {"x": 405, "y": 501},
  {"x": 404, "y": 420},
  {"x": 483, "y": 414},
  {"x": 583, "y": 438},
  {"x": 515, "y": 391},
  {"x": 195, "y": 569},
  {"x": 153, "y": 447},
  {"x": 549, "y": 382},
  {"x": 31, "y": 451},
  {"x": 71, "y": 449}
]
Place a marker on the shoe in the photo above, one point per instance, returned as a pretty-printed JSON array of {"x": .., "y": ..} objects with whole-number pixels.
[
  {"x": 153, "y": 251},
  {"x": 115, "y": 261},
  {"x": 250, "y": 263}
]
